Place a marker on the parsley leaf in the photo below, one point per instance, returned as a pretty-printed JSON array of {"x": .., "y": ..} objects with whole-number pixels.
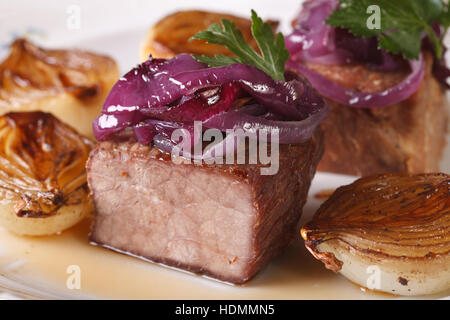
[
  {"x": 218, "y": 60},
  {"x": 273, "y": 55},
  {"x": 402, "y": 23}
]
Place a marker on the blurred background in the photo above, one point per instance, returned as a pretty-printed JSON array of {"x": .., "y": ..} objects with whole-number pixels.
[{"x": 113, "y": 27}]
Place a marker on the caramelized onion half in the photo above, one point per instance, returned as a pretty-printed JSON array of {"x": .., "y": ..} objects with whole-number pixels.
[
  {"x": 43, "y": 187},
  {"x": 70, "y": 84},
  {"x": 398, "y": 225},
  {"x": 170, "y": 36}
]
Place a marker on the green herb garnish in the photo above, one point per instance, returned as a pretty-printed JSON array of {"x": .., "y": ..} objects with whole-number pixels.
[
  {"x": 402, "y": 23},
  {"x": 273, "y": 55}
]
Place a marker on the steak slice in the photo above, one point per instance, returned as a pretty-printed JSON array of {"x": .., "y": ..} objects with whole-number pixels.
[
  {"x": 223, "y": 221},
  {"x": 408, "y": 137}
]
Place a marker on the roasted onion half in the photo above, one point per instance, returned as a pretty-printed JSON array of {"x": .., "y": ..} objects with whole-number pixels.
[
  {"x": 390, "y": 233},
  {"x": 43, "y": 188},
  {"x": 170, "y": 36},
  {"x": 70, "y": 84}
]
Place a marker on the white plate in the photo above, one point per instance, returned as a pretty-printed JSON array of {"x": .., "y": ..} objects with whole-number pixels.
[{"x": 32, "y": 267}]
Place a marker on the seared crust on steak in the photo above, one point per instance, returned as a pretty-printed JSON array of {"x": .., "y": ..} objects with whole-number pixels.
[{"x": 223, "y": 221}]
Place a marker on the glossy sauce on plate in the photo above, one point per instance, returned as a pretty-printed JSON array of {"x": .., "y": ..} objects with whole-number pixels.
[{"x": 41, "y": 265}]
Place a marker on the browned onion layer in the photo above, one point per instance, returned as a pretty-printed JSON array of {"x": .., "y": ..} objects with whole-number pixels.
[
  {"x": 387, "y": 216},
  {"x": 172, "y": 33},
  {"x": 31, "y": 73},
  {"x": 42, "y": 161}
]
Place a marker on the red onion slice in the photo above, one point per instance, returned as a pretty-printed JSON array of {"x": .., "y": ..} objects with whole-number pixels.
[
  {"x": 353, "y": 98},
  {"x": 175, "y": 91},
  {"x": 149, "y": 84},
  {"x": 290, "y": 99},
  {"x": 251, "y": 119},
  {"x": 199, "y": 107},
  {"x": 314, "y": 41},
  {"x": 147, "y": 130},
  {"x": 216, "y": 150}
]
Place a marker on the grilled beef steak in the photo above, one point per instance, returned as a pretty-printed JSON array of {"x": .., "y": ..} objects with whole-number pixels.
[
  {"x": 406, "y": 137},
  {"x": 222, "y": 221}
]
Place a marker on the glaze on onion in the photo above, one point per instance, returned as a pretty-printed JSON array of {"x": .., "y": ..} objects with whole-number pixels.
[
  {"x": 70, "y": 84},
  {"x": 43, "y": 187},
  {"x": 170, "y": 35},
  {"x": 397, "y": 223}
]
